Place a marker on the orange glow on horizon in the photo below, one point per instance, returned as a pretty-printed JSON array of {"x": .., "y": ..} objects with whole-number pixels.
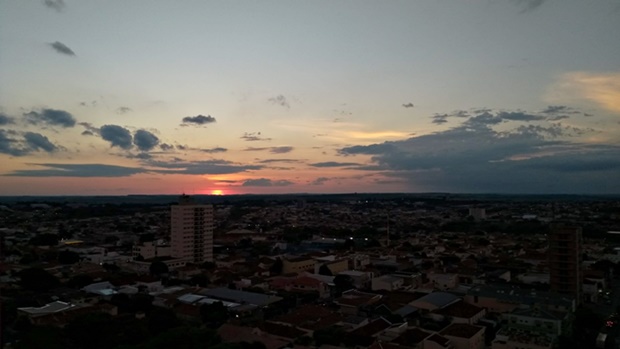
[{"x": 217, "y": 192}]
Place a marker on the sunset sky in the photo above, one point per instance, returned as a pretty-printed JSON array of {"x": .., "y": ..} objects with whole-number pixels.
[{"x": 150, "y": 96}]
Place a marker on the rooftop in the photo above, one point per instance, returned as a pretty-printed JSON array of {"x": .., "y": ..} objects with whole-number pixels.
[{"x": 462, "y": 330}]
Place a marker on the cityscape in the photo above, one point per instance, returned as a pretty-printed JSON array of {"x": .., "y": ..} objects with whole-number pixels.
[
  {"x": 325, "y": 174},
  {"x": 311, "y": 271}
]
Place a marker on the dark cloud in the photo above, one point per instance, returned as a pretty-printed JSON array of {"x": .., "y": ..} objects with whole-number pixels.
[
  {"x": 265, "y": 182},
  {"x": 319, "y": 181},
  {"x": 78, "y": 170},
  {"x": 274, "y": 150},
  {"x": 117, "y": 136},
  {"x": 440, "y": 119},
  {"x": 166, "y": 146},
  {"x": 10, "y": 145},
  {"x": 62, "y": 48},
  {"x": 37, "y": 141},
  {"x": 214, "y": 150},
  {"x": 52, "y": 117},
  {"x": 198, "y": 120},
  {"x": 57, "y": 5},
  {"x": 123, "y": 110},
  {"x": 528, "y": 5},
  {"x": 482, "y": 120},
  {"x": 253, "y": 137},
  {"x": 367, "y": 149},
  {"x": 89, "y": 129},
  {"x": 181, "y": 147},
  {"x": 408, "y": 105},
  {"x": 281, "y": 150},
  {"x": 519, "y": 116},
  {"x": 140, "y": 156},
  {"x": 334, "y": 164},
  {"x": 280, "y": 100},
  {"x": 288, "y": 161},
  {"x": 145, "y": 140},
  {"x": 473, "y": 157},
  {"x": 6, "y": 120},
  {"x": 200, "y": 167}
]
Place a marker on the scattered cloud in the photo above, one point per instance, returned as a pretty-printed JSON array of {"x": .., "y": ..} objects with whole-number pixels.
[
  {"x": 123, "y": 110},
  {"x": 253, "y": 137},
  {"x": 37, "y": 141},
  {"x": 198, "y": 120},
  {"x": 602, "y": 89},
  {"x": 117, "y": 136},
  {"x": 319, "y": 181},
  {"x": 51, "y": 117},
  {"x": 145, "y": 140},
  {"x": 519, "y": 116},
  {"x": 214, "y": 150},
  {"x": 265, "y": 182},
  {"x": 6, "y": 120},
  {"x": 62, "y": 48},
  {"x": 57, "y": 5},
  {"x": 408, "y": 105},
  {"x": 212, "y": 167},
  {"x": 77, "y": 170},
  {"x": 89, "y": 129},
  {"x": 281, "y": 150},
  {"x": 280, "y": 100},
  {"x": 334, "y": 164},
  {"x": 166, "y": 146},
  {"x": 287, "y": 161},
  {"x": 528, "y": 5}
]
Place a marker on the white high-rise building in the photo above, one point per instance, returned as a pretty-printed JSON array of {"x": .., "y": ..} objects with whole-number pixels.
[{"x": 191, "y": 227}]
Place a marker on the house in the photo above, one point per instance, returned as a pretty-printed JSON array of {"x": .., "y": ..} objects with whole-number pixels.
[
  {"x": 434, "y": 301},
  {"x": 412, "y": 338},
  {"x": 366, "y": 335},
  {"x": 465, "y": 336},
  {"x": 461, "y": 312},
  {"x": 298, "y": 264},
  {"x": 504, "y": 299},
  {"x": 387, "y": 282},
  {"x": 360, "y": 278},
  {"x": 353, "y": 301},
  {"x": 443, "y": 281},
  {"x": 235, "y": 334}
]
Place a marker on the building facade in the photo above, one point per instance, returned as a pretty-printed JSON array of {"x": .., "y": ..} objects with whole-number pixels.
[
  {"x": 565, "y": 257},
  {"x": 191, "y": 230}
]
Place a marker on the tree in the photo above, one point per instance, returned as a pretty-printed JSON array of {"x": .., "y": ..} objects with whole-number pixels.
[
  {"x": 324, "y": 270},
  {"x": 208, "y": 265},
  {"x": 214, "y": 315},
  {"x": 277, "y": 266},
  {"x": 343, "y": 283},
  {"x": 44, "y": 240},
  {"x": 200, "y": 280},
  {"x": 68, "y": 257},
  {"x": 158, "y": 268},
  {"x": 37, "y": 279},
  {"x": 161, "y": 320},
  {"x": 79, "y": 281}
]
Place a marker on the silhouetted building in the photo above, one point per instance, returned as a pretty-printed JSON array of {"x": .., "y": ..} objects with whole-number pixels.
[
  {"x": 191, "y": 226},
  {"x": 565, "y": 257}
]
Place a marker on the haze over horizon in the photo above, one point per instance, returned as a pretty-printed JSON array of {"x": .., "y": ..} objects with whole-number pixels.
[{"x": 220, "y": 97}]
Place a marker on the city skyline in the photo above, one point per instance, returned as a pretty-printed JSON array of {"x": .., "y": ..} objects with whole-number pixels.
[{"x": 207, "y": 97}]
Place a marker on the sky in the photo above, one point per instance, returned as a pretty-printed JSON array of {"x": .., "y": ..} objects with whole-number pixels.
[{"x": 325, "y": 96}]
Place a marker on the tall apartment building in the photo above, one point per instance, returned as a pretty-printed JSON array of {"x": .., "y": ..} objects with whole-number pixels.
[
  {"x": 565, "y": 257},
  {"x": 191, "y": 226}
]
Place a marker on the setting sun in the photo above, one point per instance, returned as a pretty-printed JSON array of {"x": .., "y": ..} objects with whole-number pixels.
[{"x": 217, "y": 192}]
